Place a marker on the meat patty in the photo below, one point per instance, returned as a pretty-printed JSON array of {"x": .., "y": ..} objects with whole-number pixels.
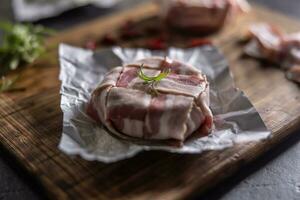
[
  {"x": 201, "y": 16},
  {"x": 122, "y": 103}
]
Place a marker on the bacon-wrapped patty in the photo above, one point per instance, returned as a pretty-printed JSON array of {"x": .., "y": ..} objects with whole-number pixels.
[
  {"x": 201, "y": 16},
  {"x": 124, "y": 104}
]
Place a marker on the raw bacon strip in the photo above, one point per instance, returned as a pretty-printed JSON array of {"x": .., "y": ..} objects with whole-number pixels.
[
  {"x": 271, "y": 44},
  {"x": 127, "y": 110},
  {"x": 190, "y": 85},
  {"x": 291, "y": 44},
  {"x": 292, "y": 40},
  {"x": 111, "y": 78},
  {"x": 266, "y": 43},
  {"x": 171, "y": 86},
  {"x": 195, "y": 117},
  {"x": 98, "y": 100},
  {"x": 187, "y": 80},
  {"x": 167, "y": 116},
  {"x": 127, "y": 76},
  {"x": 180, "y": 109},
  {"x": 203, "y": 102},
  {"x": 153, "y": 118},
  {"x": 160, "y": 63}
]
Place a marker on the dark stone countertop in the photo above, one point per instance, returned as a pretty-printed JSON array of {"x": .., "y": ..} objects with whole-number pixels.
[{"x": 274, "y": 176}]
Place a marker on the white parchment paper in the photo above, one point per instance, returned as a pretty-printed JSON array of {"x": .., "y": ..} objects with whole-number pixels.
[
  {"x": 38, "y": 9},
  {"x": 235, "y": 118}
]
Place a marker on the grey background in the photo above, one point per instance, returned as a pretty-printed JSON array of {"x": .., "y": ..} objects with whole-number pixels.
[{"x": 274, "y": 176}]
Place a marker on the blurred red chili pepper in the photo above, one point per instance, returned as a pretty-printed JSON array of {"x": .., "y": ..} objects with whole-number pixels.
[
  {"x": 156, "y": 44},
  {"x": 153, "y": 30},
  {"x": 130, "y": 34},
  {"x": 198, "y": 42},
  {"x": 108, "y": 39}
]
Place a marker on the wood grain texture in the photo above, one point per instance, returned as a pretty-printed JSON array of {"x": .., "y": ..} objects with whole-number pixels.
[{"x": 31, "y": 122}]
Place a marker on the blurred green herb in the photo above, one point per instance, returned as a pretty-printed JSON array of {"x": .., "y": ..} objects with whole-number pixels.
[
  {"x": 7, "y": 84},
  {"x": 22, "y": 44},
  {"x": 153, "y": 81}
]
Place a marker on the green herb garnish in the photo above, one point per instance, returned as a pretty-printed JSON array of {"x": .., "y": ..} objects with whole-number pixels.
[
  {"x": 7, "y": 84},
  {"x": 22, "y": 44},
  {"x": 153, "y": 81}
]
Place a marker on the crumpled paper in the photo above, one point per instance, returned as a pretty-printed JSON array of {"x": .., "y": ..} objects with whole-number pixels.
[
  {"x": 235, "y": 118},
  {"x": 38, "y": 9}
]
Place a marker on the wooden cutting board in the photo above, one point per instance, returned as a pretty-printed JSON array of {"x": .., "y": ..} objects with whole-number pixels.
[{"x": 31, "y": 122}]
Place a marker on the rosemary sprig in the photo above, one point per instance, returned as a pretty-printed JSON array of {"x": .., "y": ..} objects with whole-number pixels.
[{"x": 154, "y": 80}]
